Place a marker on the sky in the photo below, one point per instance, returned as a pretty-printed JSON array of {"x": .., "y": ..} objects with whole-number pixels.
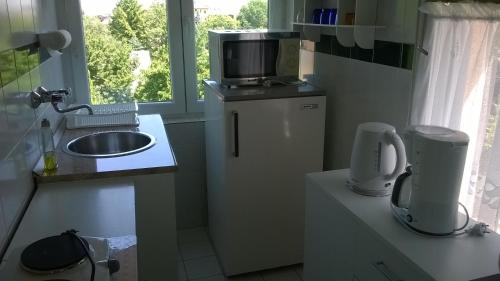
[{"x": 105, "y": 7}]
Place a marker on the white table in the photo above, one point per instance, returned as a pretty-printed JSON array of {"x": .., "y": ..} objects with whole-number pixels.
[{"x": 348, "y": 235}]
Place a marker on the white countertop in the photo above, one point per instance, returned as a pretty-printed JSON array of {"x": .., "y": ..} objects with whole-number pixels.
[
  {"x": 98, "y": 208},
  {"x": 445, "y": 259}
]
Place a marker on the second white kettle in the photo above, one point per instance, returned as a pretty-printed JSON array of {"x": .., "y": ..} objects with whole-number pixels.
[{"x": 378, "y": 157}]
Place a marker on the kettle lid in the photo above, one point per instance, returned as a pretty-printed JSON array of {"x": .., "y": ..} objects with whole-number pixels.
[
  {"x": 437, "y": 133},
  {"x": 375, "y": 127}
]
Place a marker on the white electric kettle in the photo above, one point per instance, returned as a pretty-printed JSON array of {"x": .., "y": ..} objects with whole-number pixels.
[
  {"x": 425, "y": 197},
  {"x": 378, "y": 157}
]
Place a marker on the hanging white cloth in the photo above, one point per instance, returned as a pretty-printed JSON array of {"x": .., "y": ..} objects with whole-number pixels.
[{"x": 455, "y": 87}]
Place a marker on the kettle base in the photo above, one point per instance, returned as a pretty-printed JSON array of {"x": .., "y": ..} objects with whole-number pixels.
[{"x": 381, "y": 192}]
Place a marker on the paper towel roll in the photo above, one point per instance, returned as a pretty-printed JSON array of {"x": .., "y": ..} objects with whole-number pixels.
[{"x": 55, "y": 40}]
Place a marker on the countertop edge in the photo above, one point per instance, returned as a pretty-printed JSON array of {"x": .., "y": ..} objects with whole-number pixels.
[
  {"x": 40, "y": 177},
  {"x": 102, "y": 175}
]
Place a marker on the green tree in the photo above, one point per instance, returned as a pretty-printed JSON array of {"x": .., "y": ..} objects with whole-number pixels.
[
  {"x": 155, "y": 29},
  {"x": 155, "y": 83},
  {"x": 127, "y": 22},
  {"x": 215, "y": 22},
  {"x": 253, "y": 14},
  {"x": 110, "y": 68}
]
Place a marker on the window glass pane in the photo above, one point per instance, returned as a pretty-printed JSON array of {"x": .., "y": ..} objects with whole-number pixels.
[
  {"x": 223, "y": 14},
  {"x": 127, "y": 50}
]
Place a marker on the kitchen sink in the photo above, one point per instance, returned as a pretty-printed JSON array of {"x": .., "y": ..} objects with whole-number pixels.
[{"x": 109, "y": 144}]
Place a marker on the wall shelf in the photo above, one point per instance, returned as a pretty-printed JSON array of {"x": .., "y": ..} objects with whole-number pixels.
[{"x": 362, "y": 33}]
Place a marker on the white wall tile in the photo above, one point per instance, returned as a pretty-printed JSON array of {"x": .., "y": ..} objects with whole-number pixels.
[
  {"x": 15, "y": 15},
  {"x": 359, "y": 92},
  {"x": 15, "y": 182},
  {"x": 5, "y": 24},
  {"x": 19, "y": 123},
  {"x": 27, "y": 12},
  {"x": 6, "y": 142},
  {"x": 20, "y": 115},
  {"x": 188, "y": 142},
  {"x": 35, "y": 6}
]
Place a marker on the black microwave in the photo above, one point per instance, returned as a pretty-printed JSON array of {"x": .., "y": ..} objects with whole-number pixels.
[{"x": 250, "y": 57}]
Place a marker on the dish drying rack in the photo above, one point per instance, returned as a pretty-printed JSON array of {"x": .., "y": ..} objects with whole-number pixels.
[{"x": 105, "y": 115}]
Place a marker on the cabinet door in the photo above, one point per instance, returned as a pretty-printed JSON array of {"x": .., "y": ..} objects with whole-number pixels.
[
  {"x": 329, "y": 239},
  {"x": 376, "y": 261},
  {"x": 272, "y": 145}
]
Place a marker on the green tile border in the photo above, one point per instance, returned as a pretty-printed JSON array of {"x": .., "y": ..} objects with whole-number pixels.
[
  {"x": 8, "y": 70},
  {"x": 15, "y": 63},
  {"x": 384, "y": 52}
]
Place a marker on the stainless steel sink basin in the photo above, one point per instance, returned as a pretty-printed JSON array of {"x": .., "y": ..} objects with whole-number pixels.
[{"x": 110, "y": 144}]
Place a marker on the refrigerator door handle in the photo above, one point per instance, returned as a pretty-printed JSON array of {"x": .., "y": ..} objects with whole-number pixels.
[{"x": 236, "y": 151}]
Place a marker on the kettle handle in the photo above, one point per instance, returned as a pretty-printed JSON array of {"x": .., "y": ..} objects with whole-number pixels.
[
  {"x": 398, "y": 144},
  {"x": 396, "y": 191}
]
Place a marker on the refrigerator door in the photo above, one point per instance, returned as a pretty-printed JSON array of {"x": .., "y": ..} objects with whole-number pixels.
[{"x": 270, "y": 146}]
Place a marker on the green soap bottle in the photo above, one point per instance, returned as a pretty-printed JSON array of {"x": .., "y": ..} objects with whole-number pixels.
[{"x": 49, "y": 150}]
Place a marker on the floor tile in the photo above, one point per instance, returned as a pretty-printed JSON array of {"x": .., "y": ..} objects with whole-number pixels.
[
  {"x": 181, "y": 272},
  {"x": 286, "y": 274},
  {"x": 246, "y": 277},
  {"x": 202, "y": 267},
  {"x": 300, "y": 270},
  {"x": 196, "y": 249},
  {"x": 212, "y": 278},
  {"x": 192, "y": 235}
]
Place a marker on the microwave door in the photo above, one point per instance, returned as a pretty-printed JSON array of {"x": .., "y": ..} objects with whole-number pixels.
[{"x": 250, "y": 59}]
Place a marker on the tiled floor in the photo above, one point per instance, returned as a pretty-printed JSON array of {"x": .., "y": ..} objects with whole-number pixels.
[{"x": 196, "y": 261}]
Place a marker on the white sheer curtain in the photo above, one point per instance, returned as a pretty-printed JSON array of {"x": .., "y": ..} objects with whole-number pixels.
[{"x": 457, "y": 85}]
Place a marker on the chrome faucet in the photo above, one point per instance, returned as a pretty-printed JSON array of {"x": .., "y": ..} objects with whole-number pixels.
[{"x": 41, "y": 95}]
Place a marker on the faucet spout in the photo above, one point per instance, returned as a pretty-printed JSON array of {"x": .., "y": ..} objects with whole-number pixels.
[
  {"x": 64, "y": 110},
  {"x": 41, "y": 95}
]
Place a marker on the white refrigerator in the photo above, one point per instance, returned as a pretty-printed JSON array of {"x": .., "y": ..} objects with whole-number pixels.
[{"x": 260, "y": 142}]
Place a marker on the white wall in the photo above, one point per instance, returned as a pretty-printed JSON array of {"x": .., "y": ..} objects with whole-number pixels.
[
  {"x": 188, "y": 142},
  {"x": 357, "y": 92},
  {"x": 19, "y": 123}
]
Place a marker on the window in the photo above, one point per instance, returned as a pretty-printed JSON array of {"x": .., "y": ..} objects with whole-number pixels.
[{"x": 155, "y": 52}]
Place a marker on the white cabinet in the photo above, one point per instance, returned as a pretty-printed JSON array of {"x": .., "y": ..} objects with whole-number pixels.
[
  {"x": 337, "y": 247},
  {"x": 350, "y": 237},
  {"x": 328, "y": 240}
]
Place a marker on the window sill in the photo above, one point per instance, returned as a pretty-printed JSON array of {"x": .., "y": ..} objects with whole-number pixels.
[{"x": 183, "y": 118}]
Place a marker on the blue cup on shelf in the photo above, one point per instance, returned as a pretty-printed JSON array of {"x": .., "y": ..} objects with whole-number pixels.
[
  {"x": 328, "y": 16},
  {"x": 317, "y": 16},
  {"x": 325, "y": 16},
  {"x": 333, "y": 17}
]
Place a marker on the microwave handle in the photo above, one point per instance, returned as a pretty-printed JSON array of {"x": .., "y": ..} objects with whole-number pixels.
[{"x": 236, "y": 140}]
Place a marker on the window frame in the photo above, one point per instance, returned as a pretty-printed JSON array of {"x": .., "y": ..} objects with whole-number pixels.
[
  {"x": 76, "y": 62},
  {"x": 181, "y": 40}
]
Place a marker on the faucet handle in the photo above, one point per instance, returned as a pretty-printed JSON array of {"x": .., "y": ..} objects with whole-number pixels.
[
  {"x": 39, "y": 96},
  {"x": 59, "y": 95}
]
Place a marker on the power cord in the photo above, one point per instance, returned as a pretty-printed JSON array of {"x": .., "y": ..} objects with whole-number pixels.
[
  {"x": 72, "y": 233},
  {"x": 478, "y": 229}
]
